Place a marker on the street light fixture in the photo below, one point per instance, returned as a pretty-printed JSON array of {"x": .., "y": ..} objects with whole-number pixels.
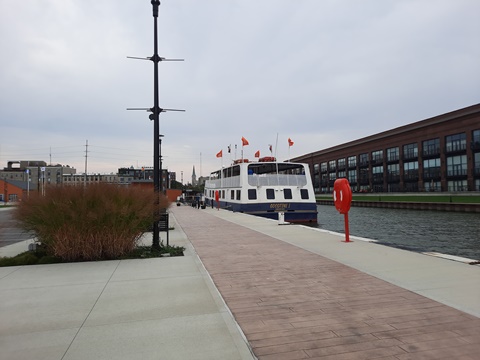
[{"x": 155, "y": 116}]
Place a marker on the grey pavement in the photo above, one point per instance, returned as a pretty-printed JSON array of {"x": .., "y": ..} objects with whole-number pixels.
[{"x": 164, "y": 308}]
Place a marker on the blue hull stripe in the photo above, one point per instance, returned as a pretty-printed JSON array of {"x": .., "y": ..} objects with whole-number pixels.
[{"x": 294, "y": 212}]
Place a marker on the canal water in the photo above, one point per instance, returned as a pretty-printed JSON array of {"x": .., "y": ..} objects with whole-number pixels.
[{"x": 450, "y": 233}]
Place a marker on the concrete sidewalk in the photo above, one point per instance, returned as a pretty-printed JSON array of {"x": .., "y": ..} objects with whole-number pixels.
[
  {"x": 292, "y": 293},
  {"x": 295, "y": 293},
  {"x": 165, "y": 308}
]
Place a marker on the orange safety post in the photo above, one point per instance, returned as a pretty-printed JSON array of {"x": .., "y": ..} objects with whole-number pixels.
[
  {"x": 217, "y": 199},
  {"x": 342, "y": 198}
]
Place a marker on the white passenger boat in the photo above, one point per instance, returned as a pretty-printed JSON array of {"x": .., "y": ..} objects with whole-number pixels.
[{"x": 264, "y": 188}]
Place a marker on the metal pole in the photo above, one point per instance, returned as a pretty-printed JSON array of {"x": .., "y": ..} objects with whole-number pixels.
[{"x": 156, "y": 129}]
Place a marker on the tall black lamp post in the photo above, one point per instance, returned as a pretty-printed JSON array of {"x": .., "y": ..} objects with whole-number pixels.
[{"x": 155, "y": 116}]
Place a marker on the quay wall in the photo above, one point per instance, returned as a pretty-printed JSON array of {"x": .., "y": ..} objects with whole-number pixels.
[{"x": 438, "y": 206}]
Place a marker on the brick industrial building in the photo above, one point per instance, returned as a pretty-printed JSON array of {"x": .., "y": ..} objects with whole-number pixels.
[{"x": 441, "y": 153}]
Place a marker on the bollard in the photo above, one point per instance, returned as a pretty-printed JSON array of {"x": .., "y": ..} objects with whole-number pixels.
[{"x": 281, "y": 218}]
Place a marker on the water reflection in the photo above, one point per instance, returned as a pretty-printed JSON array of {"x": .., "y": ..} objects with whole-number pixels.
[{"x": 445, "y": 232}]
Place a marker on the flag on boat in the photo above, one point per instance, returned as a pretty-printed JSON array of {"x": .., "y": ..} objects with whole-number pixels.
[
  {"x": 229, "y": 149},
  {"x": 290, "y": 142},
  {"x": 257, "y": 154},
  {"x": 244, "y": 141},
  {"x": 270, "y": 148},
  {"x": 219, "y": 154}
]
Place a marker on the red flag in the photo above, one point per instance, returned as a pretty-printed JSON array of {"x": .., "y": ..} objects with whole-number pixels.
[
  {"x": 257, "y": 154},
  {"x": 220, "y": 154},
  {"x": 270, "y": 148},
  {"x": 244, "y": 141},
  {"x": 290, "y": 142}
]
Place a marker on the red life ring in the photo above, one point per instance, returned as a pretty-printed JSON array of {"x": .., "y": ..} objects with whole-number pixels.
[{"x": 342, "y": 195}]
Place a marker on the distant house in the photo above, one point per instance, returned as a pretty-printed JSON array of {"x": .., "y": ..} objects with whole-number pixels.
[{"x": 12, "y": 190}]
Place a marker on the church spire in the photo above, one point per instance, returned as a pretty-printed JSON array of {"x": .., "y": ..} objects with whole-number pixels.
[{"x": 194, "y": 177}]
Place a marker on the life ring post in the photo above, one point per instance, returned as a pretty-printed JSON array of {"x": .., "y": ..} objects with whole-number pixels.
[
  {"x": 342, "y": 198},
  {"x": 347, "y": 230}
]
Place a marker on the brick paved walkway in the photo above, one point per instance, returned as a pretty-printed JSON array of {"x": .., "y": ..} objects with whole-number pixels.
[{"x": 293, "y": 304}]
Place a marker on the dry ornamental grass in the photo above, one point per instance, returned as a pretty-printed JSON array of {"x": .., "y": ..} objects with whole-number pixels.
[{"x": 96, "y": 222}]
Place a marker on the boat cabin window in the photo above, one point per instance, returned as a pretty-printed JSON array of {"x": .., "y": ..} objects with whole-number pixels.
[
  {"x": 231, "y": 171},
  {"x": 232, "y": 194},
  {"x": 287, "y": 194},
  {"x": 238, "y": 194},
  {"x": 252, "y": 194},
  {"x": 270, "y": 194},
  {"x": 273, "y": 168},
  {"x": 304, "y": 194}
]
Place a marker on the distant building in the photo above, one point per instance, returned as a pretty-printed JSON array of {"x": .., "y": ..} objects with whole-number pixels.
[
  {"x": 441, "y": 153},
  {"x": 144, "y": 174},
  {"x": 12, "y": 190},
  {"x": 82, "y": 179},
  {"x": 201, "y": 180},
  {"x": 37, "y": 172}
]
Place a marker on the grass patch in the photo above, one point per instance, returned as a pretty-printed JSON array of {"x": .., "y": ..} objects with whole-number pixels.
[{"x": 424, "y": 198}]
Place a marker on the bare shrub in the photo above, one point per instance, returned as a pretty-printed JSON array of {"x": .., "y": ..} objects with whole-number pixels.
[{"x": 100, "y": 221}]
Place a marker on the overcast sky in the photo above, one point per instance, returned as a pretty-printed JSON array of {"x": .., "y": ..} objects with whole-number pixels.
[{"x": 321, "y": 72}]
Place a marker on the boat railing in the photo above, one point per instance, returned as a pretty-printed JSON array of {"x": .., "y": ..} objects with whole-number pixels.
[
  {"x": 277, "y": 180},
  {"x": 229, "y": 182}
]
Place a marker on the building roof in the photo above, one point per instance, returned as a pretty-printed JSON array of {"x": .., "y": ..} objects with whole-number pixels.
[
  {"x": 20, "y": 184},
  {"x": 467, "y": 111}
]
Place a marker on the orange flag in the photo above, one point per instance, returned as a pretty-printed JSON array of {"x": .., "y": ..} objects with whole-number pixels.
[
  {"x": 244, "y": 141},
  {"x": 220, "y": 153},
  {"x": 290, "y": 142},
  {"x": 257, "y": 154}
]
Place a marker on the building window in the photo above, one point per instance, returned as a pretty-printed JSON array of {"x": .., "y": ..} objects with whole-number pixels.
[
  {"x": 331, "y": 165},
  {"x": 341, "y": 163},
  {"x": 457, "y": 165},
  {"x": 431, "y": 168},
  {"x": 393, "y": 172},
  {"x": 457, "y": 142},
  {"x": 304, "y": 194},
  {"x": 323, "y": 167},
  {"x": 352, "y": 176},
  {"x": 377, "y": 156},
  {"x": 410, "y": 151},
  {"x": 270, "y": 194},
  {"x": 410, "y": 170},
  {"x": 352, "y": 161},
  {"x": 316, "y": 168},
  {"x": 431, "y": 147},
  {"x": 432, "y": 185},
  {"x": 316, "y": 182},
  {"x": 342, "y": 174},
  {"x": 377, "y": 172},
  {"x": 393, "y": 154},
  {"x": 476, "y": 139},
  {"x": 332, "y": 176},
  {"x": 363, "y": 159},
  {"x": 476, "y": 165},
  {"x": 457, "y": 185},
  {"x": 287, "y": 194}
]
